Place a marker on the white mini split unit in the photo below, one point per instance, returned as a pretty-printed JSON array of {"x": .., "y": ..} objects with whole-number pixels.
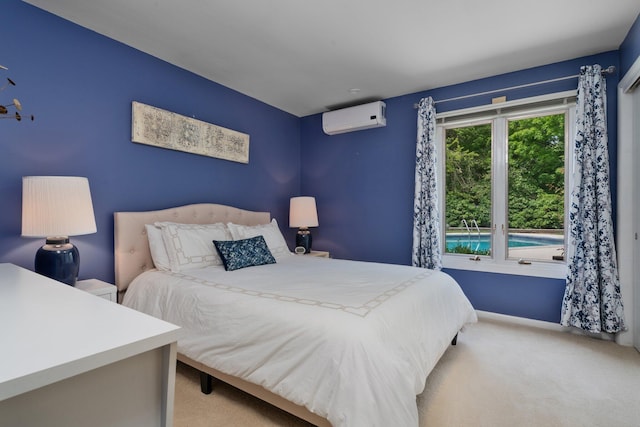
[{"x": 365, "y": 116}]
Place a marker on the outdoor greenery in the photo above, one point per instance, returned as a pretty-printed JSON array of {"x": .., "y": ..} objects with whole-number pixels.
[
  {"x": 462, "y": 249},
  {"x": 468, "y": 175},
  {"x": 535, "y": 173}
]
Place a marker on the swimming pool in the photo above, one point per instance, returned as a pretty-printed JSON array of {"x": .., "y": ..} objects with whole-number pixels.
[{"x": 482, "y": 242}]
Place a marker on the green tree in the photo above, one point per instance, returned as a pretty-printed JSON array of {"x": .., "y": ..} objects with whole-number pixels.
[
  {"x": 536, "y": 172},
  {"x": 468, "y": 175}
]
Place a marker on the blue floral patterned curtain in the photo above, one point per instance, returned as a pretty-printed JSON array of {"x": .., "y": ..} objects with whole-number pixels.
[
  {"x": 426, "y": 221},
  {"x": 592, "y": 299}
]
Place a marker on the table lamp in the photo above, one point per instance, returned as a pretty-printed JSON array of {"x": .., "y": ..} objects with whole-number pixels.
[
  {"x": 303, "y": 214},
  {"x": 57, "y": 207}
]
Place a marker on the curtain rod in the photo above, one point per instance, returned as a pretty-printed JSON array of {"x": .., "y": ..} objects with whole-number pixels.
[{"x": 609, "y": 70}]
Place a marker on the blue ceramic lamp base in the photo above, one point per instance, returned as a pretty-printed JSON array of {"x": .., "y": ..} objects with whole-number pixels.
[
  {"x": 59, "y": 260},
  {"x": 303, "y": 238}
]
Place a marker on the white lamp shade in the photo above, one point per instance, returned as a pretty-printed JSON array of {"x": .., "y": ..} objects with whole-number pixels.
[
  {"x": 302, "y": 212},
  {"x": 56, "y": 206}
]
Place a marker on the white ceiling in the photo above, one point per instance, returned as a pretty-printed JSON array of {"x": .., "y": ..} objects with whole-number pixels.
[{"x": 306, "y": 56}]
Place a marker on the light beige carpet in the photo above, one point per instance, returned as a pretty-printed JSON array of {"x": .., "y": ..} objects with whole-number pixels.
[{"x": 499, "y": 374}]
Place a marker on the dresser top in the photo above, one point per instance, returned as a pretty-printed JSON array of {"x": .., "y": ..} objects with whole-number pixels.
[{"x": 50, "y": 331}]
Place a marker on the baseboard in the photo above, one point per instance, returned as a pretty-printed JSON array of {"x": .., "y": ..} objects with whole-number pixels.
[
  {"x": 550, "y": 326},
  {"x": 523, "y": 321}
]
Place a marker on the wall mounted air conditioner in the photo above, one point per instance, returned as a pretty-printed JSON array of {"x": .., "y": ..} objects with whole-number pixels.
[{"x": 365, "y": 116}]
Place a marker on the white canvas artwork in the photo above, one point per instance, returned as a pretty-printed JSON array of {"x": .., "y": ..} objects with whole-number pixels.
[{"x": 161, "y": 128}]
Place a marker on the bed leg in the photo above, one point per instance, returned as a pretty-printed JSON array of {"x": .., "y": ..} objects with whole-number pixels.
[
  {"x": 206, "y": 383},
  {"x": 454, "y": 341}
]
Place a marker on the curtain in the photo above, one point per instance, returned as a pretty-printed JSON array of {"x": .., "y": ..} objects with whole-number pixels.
[
  {"x": 592, "y": 299},
  {"x": 426, "y": 220}
]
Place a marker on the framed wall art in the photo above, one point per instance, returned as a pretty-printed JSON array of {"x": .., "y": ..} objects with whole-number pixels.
[{"x": 161, "y": 128}]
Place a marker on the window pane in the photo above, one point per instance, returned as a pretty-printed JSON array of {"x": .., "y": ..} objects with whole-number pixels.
[
  {"x": 468, "y": 189},
  {"x": 536, "y": 188}
]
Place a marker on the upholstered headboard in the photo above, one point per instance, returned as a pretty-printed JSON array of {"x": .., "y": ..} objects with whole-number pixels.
[{"x": 131, "y": 247}]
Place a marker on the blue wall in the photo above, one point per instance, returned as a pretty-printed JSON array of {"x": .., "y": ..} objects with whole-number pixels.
[
  {"x": 364, "y": 181},
  {"x": 80, "y": 86},
  {"x": 630, "y": 47}
]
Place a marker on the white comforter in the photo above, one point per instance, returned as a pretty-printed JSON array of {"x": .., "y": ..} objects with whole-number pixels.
[{"x": 351, "y": 341}]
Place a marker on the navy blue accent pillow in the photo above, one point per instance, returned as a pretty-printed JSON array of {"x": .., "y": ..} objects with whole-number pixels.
[{"x": 243, "y": 253}]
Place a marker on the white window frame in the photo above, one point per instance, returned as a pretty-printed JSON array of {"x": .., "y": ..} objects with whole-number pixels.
[{"x": 499, "y": 114}]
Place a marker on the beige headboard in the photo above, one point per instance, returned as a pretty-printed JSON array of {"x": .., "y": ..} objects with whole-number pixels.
[{"x": 131, "y": 247}]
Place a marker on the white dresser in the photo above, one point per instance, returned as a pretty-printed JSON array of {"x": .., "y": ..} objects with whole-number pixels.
[{"x": 69, "y": 358}]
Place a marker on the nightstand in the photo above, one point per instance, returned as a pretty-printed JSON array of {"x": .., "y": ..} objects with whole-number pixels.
[
  {"x": 98, "y": 288},
  {"x": 319, "y": 254}
]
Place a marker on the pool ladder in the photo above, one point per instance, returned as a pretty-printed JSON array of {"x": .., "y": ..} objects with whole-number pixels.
[
  {"x": 473, "y": 223},
  {"x": 466, "y": 225}
]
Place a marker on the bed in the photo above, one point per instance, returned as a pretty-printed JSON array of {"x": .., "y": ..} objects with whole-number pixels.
[{"x": 334, "y": 342}]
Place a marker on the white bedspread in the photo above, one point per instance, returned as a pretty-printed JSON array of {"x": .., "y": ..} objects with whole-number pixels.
[{"x": 351, "y": 341}]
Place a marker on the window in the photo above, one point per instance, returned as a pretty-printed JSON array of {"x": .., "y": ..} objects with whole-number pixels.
[{"x": 504, "y": 186}]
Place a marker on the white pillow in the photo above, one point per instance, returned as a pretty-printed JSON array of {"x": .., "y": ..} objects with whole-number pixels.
[
  {"x": 271, "y": 233},
  {"x": 156, "y": 246},
  {"x": 190, "y": 246}
]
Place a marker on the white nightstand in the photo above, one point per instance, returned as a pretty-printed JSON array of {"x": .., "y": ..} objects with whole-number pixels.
[
  {"x": 99, "y": 288},
  {"x": 319, "y": 254}
]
